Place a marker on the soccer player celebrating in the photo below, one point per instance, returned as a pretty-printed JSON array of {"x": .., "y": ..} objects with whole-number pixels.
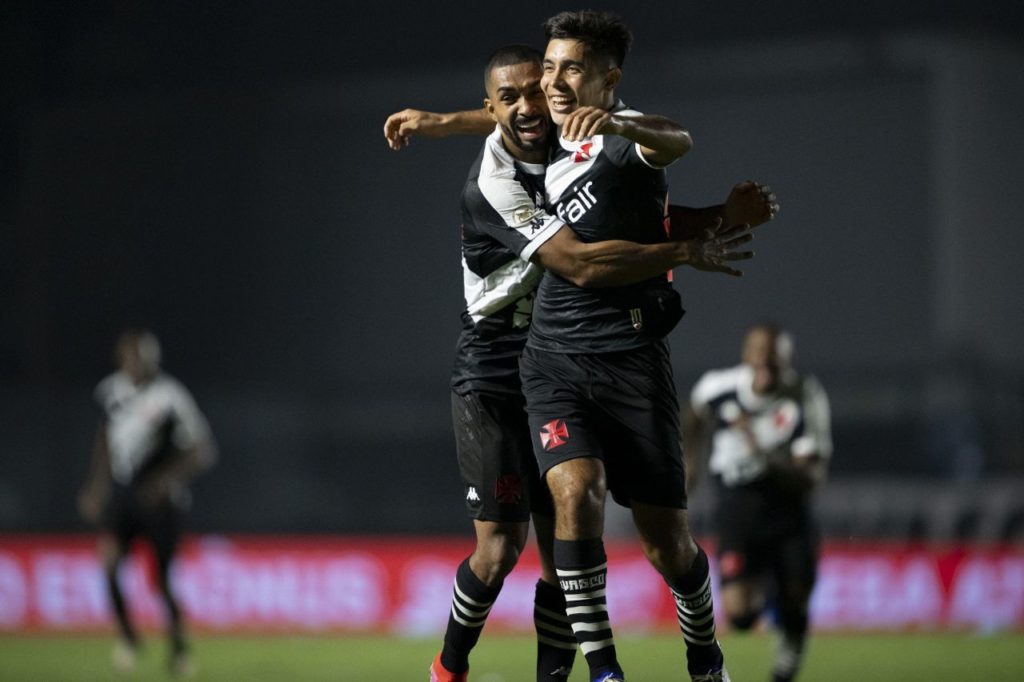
[
  {"x": 151, "y": 441},
  {"x": 770, "y": 442},
  {"x": 596, "y": 370},
  {"x": 506, "y": 232}
]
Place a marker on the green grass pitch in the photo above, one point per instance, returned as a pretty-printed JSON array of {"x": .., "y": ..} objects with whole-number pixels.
[{"x": 506, "y": 658}]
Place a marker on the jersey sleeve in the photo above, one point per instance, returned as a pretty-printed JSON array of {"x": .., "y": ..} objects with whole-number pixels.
[
  {"x": 109, "y": 392},
  {"x": 500, "y": 205},
  {"x": 102, "y": 393},
  {"x": 816, "y": 438},
  {"x": 624, "y": 152},
  {"x": 702, "y": 393}
]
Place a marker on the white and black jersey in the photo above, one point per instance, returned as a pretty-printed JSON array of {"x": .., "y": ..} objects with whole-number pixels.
[
  {"x": 147, "y": 423},
  {"x": 604, "y": 189},
  {"x": 795, "y": 419},
  {"x": 503, "y": 223}
]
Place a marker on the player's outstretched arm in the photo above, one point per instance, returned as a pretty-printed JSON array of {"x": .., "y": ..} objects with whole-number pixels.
[
  {"x": 610, "y": 263},
  {"x": 717, "y": 247},
  {"x": 400, "y": 127},
  {"x": 661, "y": 140},
  {"x": 749, "y": 203},
  {"x": 616, "y": 262}
]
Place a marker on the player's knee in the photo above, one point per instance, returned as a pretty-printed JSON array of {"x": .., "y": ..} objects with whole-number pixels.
[
  {"x": 671, "y": 558},
  {"x": 578, "y": 483},
  {"x": 577, "y": 495},
  {"x": 496, "y": 558},
  {"x": 744, "y": 620}
]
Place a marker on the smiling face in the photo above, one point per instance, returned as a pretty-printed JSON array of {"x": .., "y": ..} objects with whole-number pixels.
[
  {"x": 516, "y": 103},
  {"x": 573, "y": 79}
]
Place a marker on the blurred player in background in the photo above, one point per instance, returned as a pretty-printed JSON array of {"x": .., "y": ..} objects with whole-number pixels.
[
  {"x": 151, "y": 442},
  {"x": 768, "y": 431}
]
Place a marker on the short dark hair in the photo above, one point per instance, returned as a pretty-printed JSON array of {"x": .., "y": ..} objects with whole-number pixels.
[
  {"x": 603, "y": 33},
  {"x": 509, "y": 55}
]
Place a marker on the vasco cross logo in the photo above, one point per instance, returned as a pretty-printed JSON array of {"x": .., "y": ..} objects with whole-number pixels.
[
  {"x": 508, "y": 489},
  {"x": 553, "y": 434},
  {"x": 583, "y": 154}
]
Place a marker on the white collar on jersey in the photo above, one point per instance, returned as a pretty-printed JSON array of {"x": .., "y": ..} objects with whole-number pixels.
[{"x": 498, "y": 145}]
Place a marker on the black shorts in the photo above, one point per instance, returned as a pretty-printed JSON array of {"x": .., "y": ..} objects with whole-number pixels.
[
  {"x": 760, "y": 536},
  {"x": 125, "y": 517},
  {"x": 618, "y": 407},
  {"x": 495, "y": 458}
]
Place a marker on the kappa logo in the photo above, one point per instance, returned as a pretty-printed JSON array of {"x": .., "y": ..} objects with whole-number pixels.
[
  {"x": 472, "y": 495},
  {"x": 553, "y": 434},
  {"x": 583, "y": 153}
]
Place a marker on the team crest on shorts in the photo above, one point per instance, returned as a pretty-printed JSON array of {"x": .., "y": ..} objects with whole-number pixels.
[
  {"x": 508, "y": 489},
  {"x": 553, "y": 434}
]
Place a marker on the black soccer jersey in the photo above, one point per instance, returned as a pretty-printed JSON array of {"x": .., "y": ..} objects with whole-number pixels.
[
  {"x": 144, "y": 423},
  {"x": 604, "y": 189},
  {"x": 503, "y": 223}
]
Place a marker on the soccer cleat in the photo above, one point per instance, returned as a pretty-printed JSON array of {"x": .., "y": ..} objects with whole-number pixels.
[
  {"x": 715, "y": 672},
  {"x": 719, "y": 676},
  {"x": 439, "y": 674},
  {"x": 124, "y": 657},
  {"x": 611, "y": 677},
  {"x": 182, "y": 665}
]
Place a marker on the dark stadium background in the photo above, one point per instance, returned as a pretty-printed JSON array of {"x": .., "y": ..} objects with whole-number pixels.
[{"x": 217, "y": 171}]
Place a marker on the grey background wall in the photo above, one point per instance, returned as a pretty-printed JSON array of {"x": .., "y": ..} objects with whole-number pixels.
[{"x": 220, "y": 174}]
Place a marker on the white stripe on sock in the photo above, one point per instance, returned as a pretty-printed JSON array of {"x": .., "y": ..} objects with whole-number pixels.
[
  {"x": 556, "y": 643},
  {"x": 565, "y": 572},
  {"x": 590, "y": 647}
]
